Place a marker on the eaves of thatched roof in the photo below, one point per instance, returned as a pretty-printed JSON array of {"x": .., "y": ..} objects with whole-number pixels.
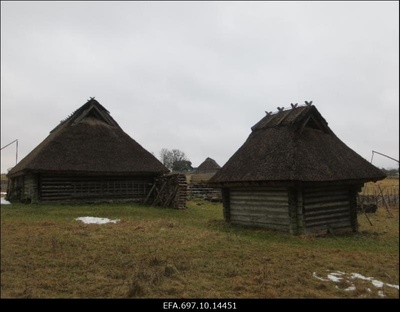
[
  {"x": 89, "y": 141},
  {"x": 295, "y": 145}
]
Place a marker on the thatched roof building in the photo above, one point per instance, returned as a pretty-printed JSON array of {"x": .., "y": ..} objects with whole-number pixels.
[
  {"x": 294, "y": 174},
  {"x": 198, "y": 180},
  {"x": 209, "y": 166},
  {"x": 87, "y": 156}
]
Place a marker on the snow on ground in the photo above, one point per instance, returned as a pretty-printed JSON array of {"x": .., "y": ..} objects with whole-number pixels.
[
  {"x": 96, "y": 220},
  {"x": 4, "y": 202},
  {"x": 337, "y": 276}
]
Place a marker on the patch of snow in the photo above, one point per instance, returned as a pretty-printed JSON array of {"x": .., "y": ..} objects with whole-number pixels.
[
  {"x": 89, "y": 220},
  {"x": 381, "y": 294},
  {"x": 374, "y": 282},
  {"x": 393, "y": 286},
  {"x": 350, "y": 288},
  {"x": 320, "y": 278},
  {"x": 359, "y": 276},
  {"x": 377, "y": 283},
  {"x": 4, "y": 202},
  {"x": 334, "y": 277}
]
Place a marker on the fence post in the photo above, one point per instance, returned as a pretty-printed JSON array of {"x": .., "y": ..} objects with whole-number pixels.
[{"x": 384, "y": 202}]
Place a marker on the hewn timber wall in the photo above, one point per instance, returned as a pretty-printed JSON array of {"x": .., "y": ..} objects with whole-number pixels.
[
  {"x": 328, "y": 209},
  {"x": 93, "y": 188},
  {"x": 15, "y": 189},
  {"x": 225, "y": 192},
  {"x": 296, "y": 209},
  {"x": 261, "y": 207},
  {"x": 30, "y": 191}
]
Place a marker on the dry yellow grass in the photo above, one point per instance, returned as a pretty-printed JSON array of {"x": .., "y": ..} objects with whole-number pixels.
[
  {"x": 160, "y": 253},
  {"x": 388, "y": 184}
]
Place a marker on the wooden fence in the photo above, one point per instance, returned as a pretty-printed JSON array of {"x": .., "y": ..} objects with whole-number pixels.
[
  {"x": 198, "y": 187},
  {"x": 204, "y": 191}
]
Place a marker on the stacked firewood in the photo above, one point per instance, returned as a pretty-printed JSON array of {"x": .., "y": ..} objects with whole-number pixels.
[{"x": 169, "y": 191}]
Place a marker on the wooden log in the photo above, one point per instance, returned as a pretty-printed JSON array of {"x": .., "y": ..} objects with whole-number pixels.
[
  {"x": 159, "y": 195},
  {"x": 170, "y": 197},
  {"x": 384, "y": 202},
  {"x": 148, "y": 195}
]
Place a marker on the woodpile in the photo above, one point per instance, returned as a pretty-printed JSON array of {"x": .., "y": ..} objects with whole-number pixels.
[{"x": 169, "y": 191}]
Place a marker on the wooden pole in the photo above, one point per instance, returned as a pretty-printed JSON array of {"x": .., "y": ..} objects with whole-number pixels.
[
  {"x": 151, "y": 191},
  {"x": 16, "y": 153},
  {"x": 385, "y": 203},
  {"x": 383, "y": 155},
  {"x": 16, "y": 149}
]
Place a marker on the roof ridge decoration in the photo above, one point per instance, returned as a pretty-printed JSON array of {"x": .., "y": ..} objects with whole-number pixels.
[
  {"x": 90, "y": 142},
  {"x": 295, "y": 145},
  {"x": 284, "y": 116},
  {"x": 292, "y": 106},
  {"x": 91, "y": 98},
  {"x": 79, "y": 114}
]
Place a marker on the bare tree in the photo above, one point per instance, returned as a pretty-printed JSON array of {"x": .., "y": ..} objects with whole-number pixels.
[{"x": 169, "y": 157}]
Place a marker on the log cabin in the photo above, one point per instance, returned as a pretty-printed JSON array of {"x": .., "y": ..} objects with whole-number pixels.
[
  {"x": 86, "y": 158},
  {"x": 293, "y": 174}
]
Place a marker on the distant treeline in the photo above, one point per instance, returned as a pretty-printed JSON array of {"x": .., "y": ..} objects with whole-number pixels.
[{"x": 391, "y": 172}]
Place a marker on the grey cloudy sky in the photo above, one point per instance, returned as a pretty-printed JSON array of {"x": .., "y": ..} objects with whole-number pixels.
[{"x": 197, "y": 75}]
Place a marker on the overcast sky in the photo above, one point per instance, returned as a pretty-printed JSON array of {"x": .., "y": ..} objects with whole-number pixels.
[{"x": 197, "y": 76}]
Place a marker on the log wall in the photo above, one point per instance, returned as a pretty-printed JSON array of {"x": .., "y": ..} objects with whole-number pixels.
[
  {"x": 225, "y": 192},
  {"x": 30, "y": 190},
  {"x": 261, "y": 207},
  {"x": 293, "y": 209},
  {"x": 15, "y": 189},
  {"x": 65, "y": 188},
  {"x": 328, "y": 209}
]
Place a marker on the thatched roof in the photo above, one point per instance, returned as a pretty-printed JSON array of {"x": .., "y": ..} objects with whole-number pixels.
[
  {"x": 90, "y": 141},
  {"x": 295, "y": 145},
  {"x": 208, "y": 166}
]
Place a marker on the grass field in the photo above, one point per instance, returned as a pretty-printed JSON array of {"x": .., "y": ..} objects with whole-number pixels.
[{"x": 160, "y": 253}]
